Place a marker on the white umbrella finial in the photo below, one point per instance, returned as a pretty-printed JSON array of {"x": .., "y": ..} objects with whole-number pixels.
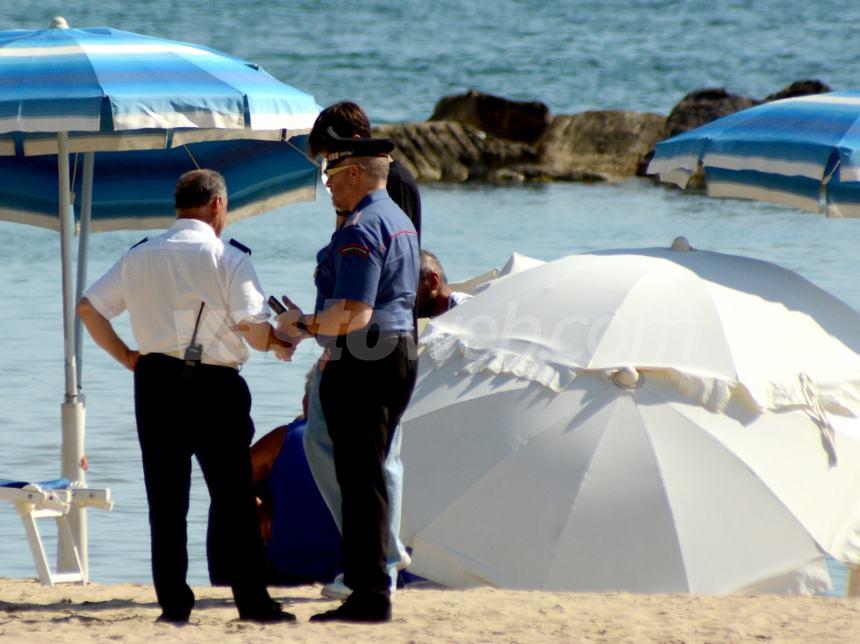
[
  {"x": 681, "y": 244},
  {"x": 58, "y": 22}
]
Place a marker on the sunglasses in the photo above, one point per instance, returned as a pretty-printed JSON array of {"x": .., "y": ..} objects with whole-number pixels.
[{"x": 330, "y": 172}]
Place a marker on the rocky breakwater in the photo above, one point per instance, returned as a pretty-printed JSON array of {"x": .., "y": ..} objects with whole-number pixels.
[{"x": 480, "y": 137}]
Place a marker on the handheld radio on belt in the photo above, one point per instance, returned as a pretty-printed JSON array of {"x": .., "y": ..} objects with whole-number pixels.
[{"x": 194, "y": 353}]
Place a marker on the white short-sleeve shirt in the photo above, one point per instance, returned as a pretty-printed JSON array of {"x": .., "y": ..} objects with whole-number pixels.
[{"x": 163, "y": 281}]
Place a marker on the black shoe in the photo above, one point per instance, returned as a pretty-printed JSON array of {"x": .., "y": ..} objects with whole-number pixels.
[
  {"x": 176, "y": 620},
  {"x": 268, "y": 616},
  {"x": 359, "y": 607}
]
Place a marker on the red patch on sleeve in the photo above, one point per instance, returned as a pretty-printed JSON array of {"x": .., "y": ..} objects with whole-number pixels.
[{"x": 354, "y": 249}]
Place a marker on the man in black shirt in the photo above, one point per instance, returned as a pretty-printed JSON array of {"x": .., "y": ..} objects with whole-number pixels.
[{"x": 404, "y": 192}]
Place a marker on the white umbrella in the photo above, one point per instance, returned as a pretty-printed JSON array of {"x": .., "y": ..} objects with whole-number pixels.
[
  {"x": 722, "y": 324},
  {"x": 517, "y": 263},
  {"x": 602, "y": 487}
]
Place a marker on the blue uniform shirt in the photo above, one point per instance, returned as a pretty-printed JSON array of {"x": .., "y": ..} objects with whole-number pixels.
[{"x": 372, "y": 258}]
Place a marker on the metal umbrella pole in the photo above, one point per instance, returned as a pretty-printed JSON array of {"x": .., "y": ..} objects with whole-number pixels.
[
  {"x": 83, "y": 257},
  {"x": 72, "y": 410}
]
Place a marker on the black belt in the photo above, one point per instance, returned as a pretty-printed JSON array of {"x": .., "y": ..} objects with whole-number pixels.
[
  {"x": 368, "y": 338},
  {"x": 179, "y": 363}
]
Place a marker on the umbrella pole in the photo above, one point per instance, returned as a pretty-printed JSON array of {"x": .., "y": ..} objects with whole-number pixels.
[
  {"x": 72, "y": 410},
  {"x": 83, "y": 256}
]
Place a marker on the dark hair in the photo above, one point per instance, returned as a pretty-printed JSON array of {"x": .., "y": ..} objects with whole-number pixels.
[
  {"x": 197, "y": 188},
  {"x": 346, "y": 118}
]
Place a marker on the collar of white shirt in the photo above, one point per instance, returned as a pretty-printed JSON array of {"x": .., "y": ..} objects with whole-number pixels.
[{"x": 194, "y": 224}]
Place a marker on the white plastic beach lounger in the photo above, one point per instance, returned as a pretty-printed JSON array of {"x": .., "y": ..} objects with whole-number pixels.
[{"x": 52, "y": 499}]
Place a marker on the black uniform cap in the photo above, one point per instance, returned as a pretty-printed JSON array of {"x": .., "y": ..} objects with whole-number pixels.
[{"x": 340, "y": 148}]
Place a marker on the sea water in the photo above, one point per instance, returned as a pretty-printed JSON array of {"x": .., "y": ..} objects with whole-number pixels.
[{"x": 397, "y": 59}]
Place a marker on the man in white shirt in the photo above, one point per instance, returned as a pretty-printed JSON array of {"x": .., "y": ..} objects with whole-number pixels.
[{"x": 191, "y": 299}]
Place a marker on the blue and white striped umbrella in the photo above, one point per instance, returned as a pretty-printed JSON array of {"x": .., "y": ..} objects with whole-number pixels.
[
  {"x": 802, "y": 152},
  {"x": 107, "y": 120},
  {"x": 59, "y": 79},
  {"x": 150, "y": 109}
]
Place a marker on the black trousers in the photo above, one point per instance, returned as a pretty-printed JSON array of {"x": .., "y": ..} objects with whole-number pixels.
[
  {"x": 206, "y": 415},
  {"x": 363, "y": 394}
]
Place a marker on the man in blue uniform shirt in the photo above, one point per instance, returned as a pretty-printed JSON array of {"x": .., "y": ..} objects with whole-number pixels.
[
  {"x": 348, "y": 120},
  {"x": 366, "y": 282}
]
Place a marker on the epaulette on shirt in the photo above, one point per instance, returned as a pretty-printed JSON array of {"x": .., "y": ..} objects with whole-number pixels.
[
  {"x": 240, "y": 246},
  {"x": 145, "y": 239}
]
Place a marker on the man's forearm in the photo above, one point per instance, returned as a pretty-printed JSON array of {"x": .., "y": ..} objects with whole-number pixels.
[
  {"x": 104, "y": 335},
  {"x": 261, "y": 336}
]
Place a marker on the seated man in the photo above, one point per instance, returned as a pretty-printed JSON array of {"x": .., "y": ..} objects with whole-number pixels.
[
  {"x": 303, "y": 544},
  {"x": 435, "y": 296}
]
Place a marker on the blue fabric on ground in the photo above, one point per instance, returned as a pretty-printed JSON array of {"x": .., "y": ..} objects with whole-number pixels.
[
  {"x": 305, "y": 545},
  {"x": 54, "y": 484}
]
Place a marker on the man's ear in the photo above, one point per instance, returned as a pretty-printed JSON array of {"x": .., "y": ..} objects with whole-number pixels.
[{"x": 434, "y": 280}]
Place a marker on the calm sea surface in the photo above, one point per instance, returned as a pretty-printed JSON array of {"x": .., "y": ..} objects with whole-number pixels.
[{"x": 397, "y": 59}]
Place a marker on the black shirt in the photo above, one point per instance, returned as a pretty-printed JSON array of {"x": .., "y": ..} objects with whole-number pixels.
[{"x": 404, "y": 192}]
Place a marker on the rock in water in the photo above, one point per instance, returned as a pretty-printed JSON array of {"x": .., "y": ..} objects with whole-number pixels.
[
  {"x": 705, "y": 105},
  {"x": 591, "y": 146},
  {"x": 608, "y": 143},
  {"x": 799, "y": 88},
  {"x": 523, "y": 121},
  {"x": 452, "y": 151}
]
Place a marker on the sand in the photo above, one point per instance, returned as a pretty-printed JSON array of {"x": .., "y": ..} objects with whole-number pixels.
[{"x": 30, "y": 612}]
